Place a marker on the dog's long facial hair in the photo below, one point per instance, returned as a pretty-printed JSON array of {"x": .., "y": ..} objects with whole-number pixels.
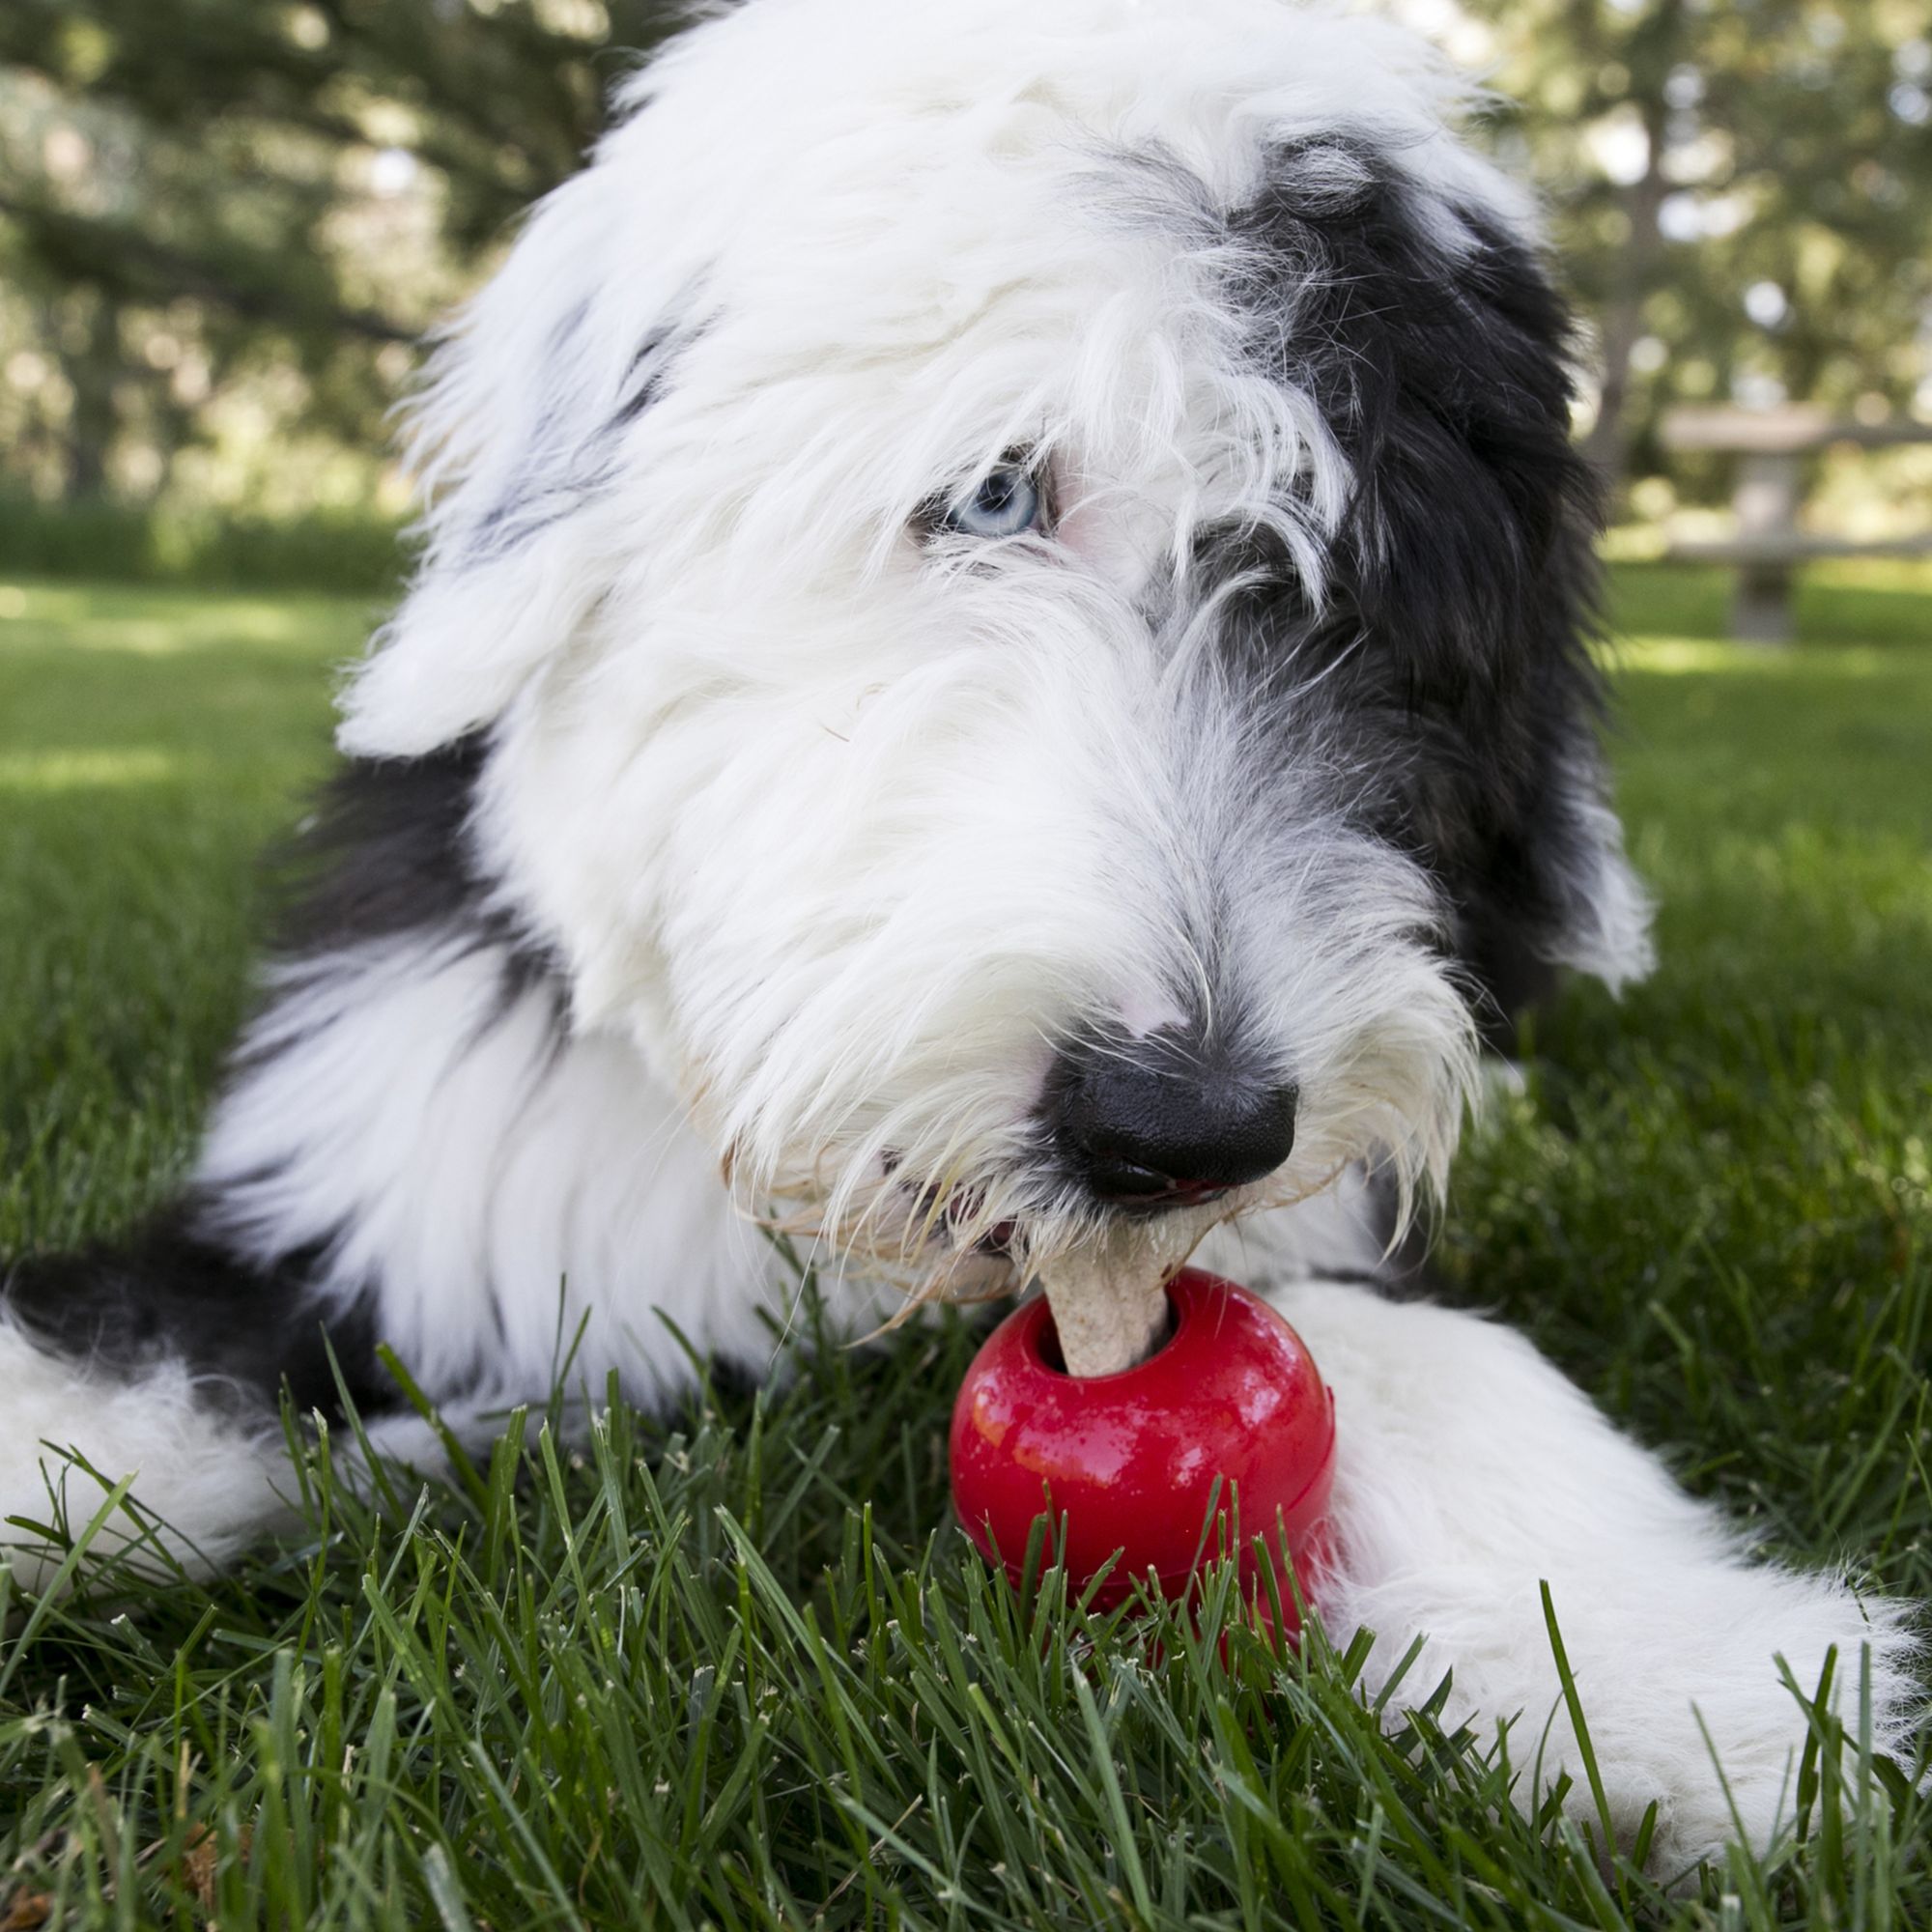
[{"x": 997, "y": 677}]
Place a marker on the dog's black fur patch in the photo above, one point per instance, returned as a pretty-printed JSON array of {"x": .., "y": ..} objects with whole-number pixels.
[
  {"x": 1450, "y": 660},
  {"x": 385, "y": 851},
  {"x": 388, "y": 851},
  {"x": 173, "y": 1295}
]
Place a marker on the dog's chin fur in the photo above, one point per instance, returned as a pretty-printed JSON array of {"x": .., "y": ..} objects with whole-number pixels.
[{"x": 728, "y": 842}]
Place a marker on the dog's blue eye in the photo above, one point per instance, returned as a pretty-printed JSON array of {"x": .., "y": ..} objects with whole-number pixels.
[{"x": 1004, "y": 502}]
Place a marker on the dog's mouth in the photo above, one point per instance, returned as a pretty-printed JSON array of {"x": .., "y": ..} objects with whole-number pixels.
[
  {"x": 983, "y": 1236},
  {"x": 1138, "y": 1190},
  {"x": 953, "y": 1215},
  {"x": 952, "y": 1212}
]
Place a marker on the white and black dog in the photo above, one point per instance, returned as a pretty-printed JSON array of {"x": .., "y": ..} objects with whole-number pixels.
[{"x": 1000, "y": 675}]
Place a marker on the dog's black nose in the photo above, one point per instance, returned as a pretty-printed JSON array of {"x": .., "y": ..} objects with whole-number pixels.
[{"x": 1159, "y": 1122}]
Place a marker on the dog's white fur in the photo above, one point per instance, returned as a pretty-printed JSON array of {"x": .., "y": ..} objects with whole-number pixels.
[
  {"x": 823, "y": 831},
  {"x": 1469, "y": 1472}
]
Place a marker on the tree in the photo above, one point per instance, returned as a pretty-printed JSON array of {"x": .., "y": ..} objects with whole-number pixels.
[
  {"x": 302, "y": 185},
  {"x": 1742, "y": 192}
]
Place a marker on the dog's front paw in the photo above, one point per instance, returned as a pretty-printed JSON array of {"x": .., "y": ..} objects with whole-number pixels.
[
  {"x": 1699, "y": 1688},
  {"x": 1702, "y": 1691},
  {"x": 1469, "y": 1475}
]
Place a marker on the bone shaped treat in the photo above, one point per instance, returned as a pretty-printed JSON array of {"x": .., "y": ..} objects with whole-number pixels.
[{"x": 1109, "y": 1302}]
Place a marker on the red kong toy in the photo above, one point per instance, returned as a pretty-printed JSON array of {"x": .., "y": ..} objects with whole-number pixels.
[{"x": 1131, "y": 1460}]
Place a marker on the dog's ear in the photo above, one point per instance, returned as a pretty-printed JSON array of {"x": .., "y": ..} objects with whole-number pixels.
[
  {"x": 520, "y": 438},
  {"x": 1415, "y": 309},
  {"x": 1535, "y": 863},
  {"x": 1474, "y": 481}
]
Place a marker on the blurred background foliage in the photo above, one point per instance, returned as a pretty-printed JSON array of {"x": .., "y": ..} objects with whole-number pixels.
[
  {"x": 1742, "y": 194},
  {"x": 225, "y": 223}
]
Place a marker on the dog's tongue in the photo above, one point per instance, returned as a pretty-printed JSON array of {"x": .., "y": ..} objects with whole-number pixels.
[{"x": 1109, "y": 1302}]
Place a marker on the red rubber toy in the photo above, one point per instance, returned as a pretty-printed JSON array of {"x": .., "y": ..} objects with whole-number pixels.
[{"x": 1131, "y": 1460}]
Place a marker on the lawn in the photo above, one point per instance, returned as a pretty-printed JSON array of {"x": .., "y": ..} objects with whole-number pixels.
[{"x": 735, "y": 1666}]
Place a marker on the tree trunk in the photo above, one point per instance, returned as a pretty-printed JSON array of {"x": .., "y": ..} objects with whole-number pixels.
[
  {"x": 1651, "y": 55},
  {"x": 91, "y": 361},
  {"x": 1607, "y": 445}
]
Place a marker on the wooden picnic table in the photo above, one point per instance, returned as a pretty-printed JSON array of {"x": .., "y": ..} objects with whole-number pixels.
[{"x": 1770, "y": 447}]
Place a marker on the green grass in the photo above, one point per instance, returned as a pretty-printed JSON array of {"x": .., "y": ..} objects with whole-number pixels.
[
  {"x": 173, "y": 544},
  {"x": 737, "y": 1668}
]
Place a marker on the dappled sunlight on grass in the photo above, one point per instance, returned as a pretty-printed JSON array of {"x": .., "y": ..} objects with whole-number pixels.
[
  {"x": 1672, "y": 656},
  {"x": 75, "y": 771},
  {"x": 166, "y": 622},
  {"x": 1911, "y": 576}
]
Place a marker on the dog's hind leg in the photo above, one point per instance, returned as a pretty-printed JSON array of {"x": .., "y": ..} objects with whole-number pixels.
[
  {"x": 1470, "y": 1473},
  {"x": 162, "y": 1361}
]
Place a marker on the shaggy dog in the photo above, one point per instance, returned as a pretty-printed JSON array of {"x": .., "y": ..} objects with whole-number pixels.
[{"x": 1001, "y": 658}]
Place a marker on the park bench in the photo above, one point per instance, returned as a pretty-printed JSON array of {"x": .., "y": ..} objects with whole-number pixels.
[{"x": 1767, "y": 547}]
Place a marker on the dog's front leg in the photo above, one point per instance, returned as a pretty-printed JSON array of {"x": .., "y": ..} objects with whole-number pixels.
[{"x": 1469, "y": 1472}]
